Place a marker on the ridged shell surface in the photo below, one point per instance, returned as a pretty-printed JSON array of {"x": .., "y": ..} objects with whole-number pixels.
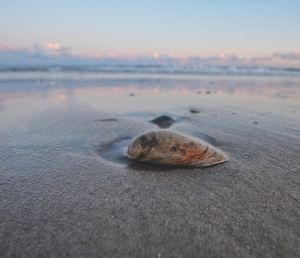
[{"x": 174, "y": 149}]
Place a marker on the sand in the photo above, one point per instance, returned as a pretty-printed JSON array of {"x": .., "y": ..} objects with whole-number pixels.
[{"x": 67, "y": 191}]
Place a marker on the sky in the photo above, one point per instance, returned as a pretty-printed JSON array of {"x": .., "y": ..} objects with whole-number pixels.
[{"x": 203, "y": 28}]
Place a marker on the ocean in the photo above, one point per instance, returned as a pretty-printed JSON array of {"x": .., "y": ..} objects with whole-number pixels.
[{"x": 155, "y": 69}]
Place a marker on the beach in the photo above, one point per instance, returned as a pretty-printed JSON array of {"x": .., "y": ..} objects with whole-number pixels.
[{"x": 67, "y": 190}]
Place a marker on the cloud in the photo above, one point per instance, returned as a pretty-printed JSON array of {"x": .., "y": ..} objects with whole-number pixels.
[
  {"x": 290, "y": 56},
  {"x": 53, "y": 53},
  {"x": 4, "y": 48},
  {"x": 54, "y": 46}
]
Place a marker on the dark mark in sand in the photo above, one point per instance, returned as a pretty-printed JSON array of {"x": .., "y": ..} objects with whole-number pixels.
[
  {"x": 107, "y": 120},
  {"x": 163, "y": 121},
  {"x": 195, "y": 111}
]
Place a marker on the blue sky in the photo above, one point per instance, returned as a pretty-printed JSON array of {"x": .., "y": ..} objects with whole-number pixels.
[{"x": 139, "y": 27}]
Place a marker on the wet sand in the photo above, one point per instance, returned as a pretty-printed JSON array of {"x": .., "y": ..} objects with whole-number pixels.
[{"x": 67, "y": 190}]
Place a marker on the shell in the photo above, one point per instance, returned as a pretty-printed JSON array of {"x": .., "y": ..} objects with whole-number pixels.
[{"x": 174, "y": 149}]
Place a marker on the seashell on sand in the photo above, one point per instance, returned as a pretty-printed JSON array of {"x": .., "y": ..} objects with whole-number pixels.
[{"x": 174, "y": 149}]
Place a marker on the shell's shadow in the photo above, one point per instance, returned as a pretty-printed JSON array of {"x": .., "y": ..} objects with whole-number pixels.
[{"x": 114, "y": 151}]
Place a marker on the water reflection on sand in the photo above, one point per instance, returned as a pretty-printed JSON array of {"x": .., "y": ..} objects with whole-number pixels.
[{"x": 123, "y": 94}]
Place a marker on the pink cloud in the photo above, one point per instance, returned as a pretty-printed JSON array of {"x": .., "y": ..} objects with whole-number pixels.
[
  {"x": 54, "y": 46},
  {"x": 53, "y": 52},
  {"x": 4, "y": 48}
]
